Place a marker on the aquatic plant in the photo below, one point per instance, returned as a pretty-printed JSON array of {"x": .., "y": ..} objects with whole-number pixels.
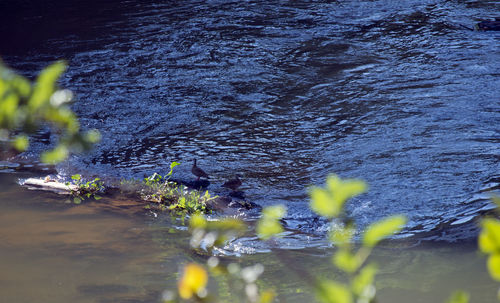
[
  {"x": 83, "y": 190},
  {"x": 26, "y": 107},
  {"x": 172, "y": 196}
]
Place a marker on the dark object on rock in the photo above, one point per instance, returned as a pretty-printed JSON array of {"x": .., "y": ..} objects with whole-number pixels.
[
  {"x": 198, "y": 172},
  {"x": 196, "y": 184},
  {"x": 220, "y": 203},
  {"x": 233, "y": 184},
  {"x": 244, "y": 205},
  {"x": 237, "y": 194},
  {"x": 488, "y": 25}
]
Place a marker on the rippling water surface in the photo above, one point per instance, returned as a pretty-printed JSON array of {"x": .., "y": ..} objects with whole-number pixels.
[{"x": 398, "y": 93}]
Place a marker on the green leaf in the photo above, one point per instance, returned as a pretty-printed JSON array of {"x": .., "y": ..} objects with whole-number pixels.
[
  {"x": 363, "y": 281},
  {"x": 458, "y": 296},
  {"x": 382, "y": 229},
  {"x": 172, "y": 165},
  {"x": 267, "y": 296},
  {"x": 22, "y": 86},
  {"x": 77, "y": 200},
  {"x": 322, "y": 204},
  {"x": 345, "y": 189},
  {"x": 268, "y": 229},
  {"x": 92, "y": 136},
  {"x": 269, "y": 225},
  {"x": 21, "y": 143},
  {"x": 56, "y": 155},
  {"x": 227, "y": 224},
  {"x": 494, "y": 266},
  {"x": 198, "y": 221},
  {"x": 346, "y": 261},
  {"x": 342, "y": 237},
  {"x": 76, "y": 177},
  {"x": 275, "y": 212},
  {"x": 332, "y": 292},
  {"x": 330, "y": 202},
  {"x": 45, "y": 85},
  {"x": 489, "y": 238},
  {"x": 64, "y": 118},
  {"x": 9, "y": 111}
]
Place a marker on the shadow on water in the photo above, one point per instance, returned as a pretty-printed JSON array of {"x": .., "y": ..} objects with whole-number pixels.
[{"x": 396, "y": 93}]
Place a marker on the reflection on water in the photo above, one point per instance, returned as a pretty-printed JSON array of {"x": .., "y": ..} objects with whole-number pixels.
[
  {"x": 51, "y": 251},
  {"x": 394, "y": 92}
]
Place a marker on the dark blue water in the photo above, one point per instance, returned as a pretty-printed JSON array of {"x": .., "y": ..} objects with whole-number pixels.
[{"x": 398, "y": 93}]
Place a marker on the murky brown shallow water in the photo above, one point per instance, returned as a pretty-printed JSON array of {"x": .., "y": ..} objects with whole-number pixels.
[{"x": 52, "y": 251}]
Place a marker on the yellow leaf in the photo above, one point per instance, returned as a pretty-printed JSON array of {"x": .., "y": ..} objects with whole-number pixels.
[{"x": 193, "y": 281}]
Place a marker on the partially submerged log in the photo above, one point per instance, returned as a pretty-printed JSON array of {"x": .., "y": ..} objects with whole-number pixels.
[
  {"x": 123, "y": 200},
  {"x": 49, "y": 184}
]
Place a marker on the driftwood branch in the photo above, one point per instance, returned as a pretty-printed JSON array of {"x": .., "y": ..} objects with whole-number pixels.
[{"x": 49, "y": 184}]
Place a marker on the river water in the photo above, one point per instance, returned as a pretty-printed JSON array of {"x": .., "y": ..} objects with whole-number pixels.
[
  {"x": 58, "y": 252},
  {"x": 398, "y": 93}
]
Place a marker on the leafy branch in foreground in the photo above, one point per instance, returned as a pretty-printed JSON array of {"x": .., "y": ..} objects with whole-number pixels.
[
  {"x": 489, "y": 243},
  {"x": 328, "y": 202},
  {"x": 25, "y": 107}
]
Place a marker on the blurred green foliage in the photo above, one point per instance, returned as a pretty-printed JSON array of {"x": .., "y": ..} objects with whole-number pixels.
[
  {"x": 458, "y": 296},
  {"x": 269, "y": 225},
  {"x": 25, "y": 107},
  {"x": 350, "y": 257},
  {"x": 489, "y": 243}
]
